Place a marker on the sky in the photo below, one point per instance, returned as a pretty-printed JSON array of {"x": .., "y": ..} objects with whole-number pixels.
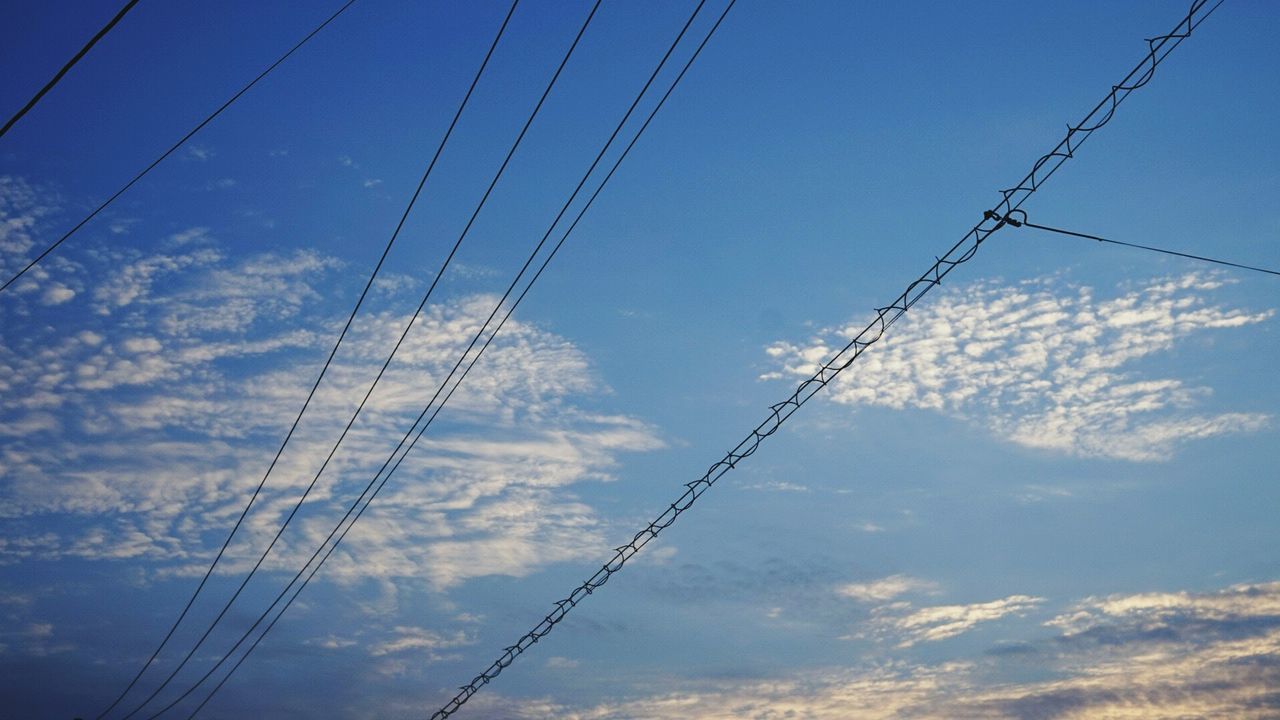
[{"x": 1049, "y": 492}]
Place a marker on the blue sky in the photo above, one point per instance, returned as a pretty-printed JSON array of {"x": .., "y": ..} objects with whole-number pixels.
[{"x": 1049, "y": 493}]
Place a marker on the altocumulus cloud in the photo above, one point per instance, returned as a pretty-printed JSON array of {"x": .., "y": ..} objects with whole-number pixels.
[
  {"x": 138, "y": 432},
  {"x": 1044, "y": 364}
]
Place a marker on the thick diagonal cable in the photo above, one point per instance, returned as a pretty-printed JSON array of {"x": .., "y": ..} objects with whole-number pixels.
[
  {"x": 959, "y": 253},
  {"x": 102, "y": 32},
  {"x": 386, "y": 474},
  {"x": 408, "y": 327},
  {"x": 1164, "y": 251},
  {"x": 311, "y": 394},
  {"x": 173, "y": 148}
]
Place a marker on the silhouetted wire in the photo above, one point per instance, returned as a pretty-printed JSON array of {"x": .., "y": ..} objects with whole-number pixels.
[
  {"x": 474, "y": 359},
  {"x": 44, "y": 253},
  {"x": 1086, "y": 236},
  {"x": 408, "y": 327},
  {"x": 961, "y": 252},
  {"x": 70, "y": 64},
  {"x": 311, "y": 394}
]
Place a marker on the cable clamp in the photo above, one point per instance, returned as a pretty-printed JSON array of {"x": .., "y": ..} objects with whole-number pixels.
[{"x": 993, "y": 215}]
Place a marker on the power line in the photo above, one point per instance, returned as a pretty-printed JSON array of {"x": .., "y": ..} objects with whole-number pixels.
[
  {"x": 1024, "y": 222},
  {"x": 438, "y": 408},
  {"x": 70, "y": 64},
  {"x": 408, "y": 327},
  {"x": 311, "y": 394},
  {"x": 173, "y": 148},
  {"x": 959, "y": 253}
]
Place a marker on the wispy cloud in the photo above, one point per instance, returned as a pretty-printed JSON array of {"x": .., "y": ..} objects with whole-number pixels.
[
  {"x": 1163, "y": 676},
  {"x": 1045, "y": 364},
  {"x": 886, "y": 588},
  {"x": 900, "y": 621}
]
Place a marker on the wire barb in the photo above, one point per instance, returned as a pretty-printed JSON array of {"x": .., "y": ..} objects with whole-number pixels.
[{"x": 960, "y": 253}]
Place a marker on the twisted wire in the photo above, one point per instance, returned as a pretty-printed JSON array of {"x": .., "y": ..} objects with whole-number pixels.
[{"x": 963, "y": 251}]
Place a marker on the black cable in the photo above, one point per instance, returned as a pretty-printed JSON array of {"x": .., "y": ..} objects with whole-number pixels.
[
  {"x": 310, "y": 395},
  {"x": 385, "y": 478},
  {"x": 408, "y": 327},
  {"x": 70, "y": 64},
  {"x": 1087, "y": 236},
  {"x": 44, "y": 253}
]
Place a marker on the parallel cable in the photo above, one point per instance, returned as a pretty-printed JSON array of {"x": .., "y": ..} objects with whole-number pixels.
[
  {"x": 173, "y": 148},
  {"x": 408, "y": 327},
  {"x": 311, "y": 394},
  {"x": 1024, "y": 222},
  {"x": 445, "y": 383},
  {"x": 959, "y": 253},
  {"x": 70, "y": 64}
]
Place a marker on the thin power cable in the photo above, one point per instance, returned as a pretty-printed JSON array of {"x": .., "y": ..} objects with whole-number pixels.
[
  {"x": 173, "y": 148},
  {"x": 408, "y": 327},
  {"x": 386, "y": 477},
  {"x": 963, "y": 251},
  {"x": 1024, "y": 222},
  {"x": 328, "y": 362},
  {"x": 70, "y": 64}
]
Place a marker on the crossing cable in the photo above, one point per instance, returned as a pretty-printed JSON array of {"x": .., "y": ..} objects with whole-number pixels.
[
  {"x": 173, "y": 148},
  {"x": 1024, "y": 222},
  {"x": 961, "y": 252},
  {"x": 408, "y": 327},
  {"x": 70, "y": 64},
  {"x": 510, "y": 310},
  {"x": 311, "y": 394}
]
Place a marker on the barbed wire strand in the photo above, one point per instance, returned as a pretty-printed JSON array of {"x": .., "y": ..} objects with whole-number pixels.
[
  {"x": 102, "y": 32},
  {"x": 961, "y": 252},
  {"x": 173, "y": 148},
  {"x": 402, "y": 455},
  {"x": 1027, "y": 223},
  {"x": 475, "y": 80}
]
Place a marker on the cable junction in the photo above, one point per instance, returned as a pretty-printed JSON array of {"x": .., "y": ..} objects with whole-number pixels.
[
  {"x": 963, "y": 251},
  {"x": 173, "y": 148},
  {"x": 1014, "y": 222}
]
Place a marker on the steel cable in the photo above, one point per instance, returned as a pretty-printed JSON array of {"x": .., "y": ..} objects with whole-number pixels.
[
  {"x": 173, "y": 148},
  {"x": 311, "y": 394},
  {"x": 438, "y": 407},
  {"x": 475, "y": 214},
  {"x": 67, "y": 67},
  {"x": 961, "y": 252}
]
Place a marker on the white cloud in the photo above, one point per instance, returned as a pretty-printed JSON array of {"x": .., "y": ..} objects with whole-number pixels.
[
  {"x": 1151, "y": 612},
  {"x": 1180, "y": 671},
  {"x": 56, "y": 294},
  {"x": 418, "y": 639},
  {"x": 886, "y": 588},
  {"x": 22, "y": 207},
  {"x": 1044, "y": 365},
  {"x": 929, "y": 624},
  {"x": 99, "y": 413}
]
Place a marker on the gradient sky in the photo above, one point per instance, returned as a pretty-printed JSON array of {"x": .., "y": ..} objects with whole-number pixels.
[{"x": 1051, "y": 492}]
